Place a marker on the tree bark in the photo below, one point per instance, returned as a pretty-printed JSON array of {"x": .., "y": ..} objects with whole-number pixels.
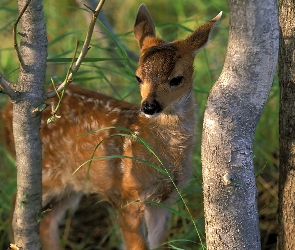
[
  {"x": 286, "y": 209},
  {"x": 233, "y": 109},
  {"x": 26, "y": 125}
]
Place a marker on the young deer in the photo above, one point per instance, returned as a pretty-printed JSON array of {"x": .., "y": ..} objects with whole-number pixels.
[{"x": 165, "y": 120}]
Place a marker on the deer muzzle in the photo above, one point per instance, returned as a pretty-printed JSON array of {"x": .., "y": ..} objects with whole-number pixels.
[{"x": 151, "y": 107}]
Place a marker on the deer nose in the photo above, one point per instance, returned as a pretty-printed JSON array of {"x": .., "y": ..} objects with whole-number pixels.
[{"x": 150, "y": 108}]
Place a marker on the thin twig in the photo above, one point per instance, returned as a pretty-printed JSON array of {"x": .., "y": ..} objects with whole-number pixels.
[
  {"x": 83, "y": 52},
  {"x": 15, "y": 32},
  {"x": 93, "y": 11},
  {"x": 67, "y": 81},
  {"x": 6, "y": 87}
]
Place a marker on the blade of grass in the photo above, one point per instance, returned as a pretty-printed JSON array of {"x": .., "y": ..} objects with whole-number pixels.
[
  {"x": 121, "y": 157},
  {"x": 139, "y": 139}
]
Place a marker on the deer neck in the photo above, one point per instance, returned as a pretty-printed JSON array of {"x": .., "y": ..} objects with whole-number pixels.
[{"x": 179, "y": 120}]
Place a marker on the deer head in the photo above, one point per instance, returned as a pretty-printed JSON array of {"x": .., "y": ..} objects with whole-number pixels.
[{"x": 165, "y": 69}]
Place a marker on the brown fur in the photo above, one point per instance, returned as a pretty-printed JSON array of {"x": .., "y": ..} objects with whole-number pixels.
[{"x": 125, "y": 183}]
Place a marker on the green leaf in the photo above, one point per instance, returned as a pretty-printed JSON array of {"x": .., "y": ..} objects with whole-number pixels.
[{"x": 41, "y": 107}]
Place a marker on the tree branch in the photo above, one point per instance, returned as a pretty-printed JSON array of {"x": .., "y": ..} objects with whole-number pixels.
[
  {"x": 6, "y": 87},
  {"x": 83, "y": 52},
  {"x": 15, "y": 32}
]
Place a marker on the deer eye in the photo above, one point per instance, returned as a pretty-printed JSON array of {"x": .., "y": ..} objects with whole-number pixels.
[
  {"x": 138, "y": 79},
  {"x": 176, "y": 81}
]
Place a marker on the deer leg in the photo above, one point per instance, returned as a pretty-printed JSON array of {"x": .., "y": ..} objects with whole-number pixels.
[
  {"x": 157, "y": 219},
  {"x": 49, "y": 224},
  {"x": 131, "y": 220}
]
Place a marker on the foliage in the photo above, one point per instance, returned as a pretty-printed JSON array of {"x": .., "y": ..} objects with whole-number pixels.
[{"x": 174, "y": 20}]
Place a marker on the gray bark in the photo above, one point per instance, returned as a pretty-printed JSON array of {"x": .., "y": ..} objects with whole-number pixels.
[
  {"x": 286, "y": 209},
  {"x": 233, "y": 109},
  {"x": 26, "y": 126}
]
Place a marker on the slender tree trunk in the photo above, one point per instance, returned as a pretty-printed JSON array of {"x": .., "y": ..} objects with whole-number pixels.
[
  {"x": 286, "y": 211},
  {"x": 233, "y": 109},
  {"x": 26, "y": 125}
]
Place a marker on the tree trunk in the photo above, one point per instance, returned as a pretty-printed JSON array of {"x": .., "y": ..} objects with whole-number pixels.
[
  {"x": 26, "y": 125},
  {"x": 233, "y": 109},
  {"x": 286, "y": 210}
]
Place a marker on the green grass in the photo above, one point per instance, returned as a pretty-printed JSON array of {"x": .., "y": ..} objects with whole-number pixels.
[{"x": 174, "y": 20}]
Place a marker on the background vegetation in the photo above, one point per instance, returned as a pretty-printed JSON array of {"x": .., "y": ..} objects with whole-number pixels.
[{"x": 174, "y": 20}]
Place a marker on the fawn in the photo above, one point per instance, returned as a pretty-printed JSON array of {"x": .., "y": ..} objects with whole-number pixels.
[{"x": 166, "y": 120}]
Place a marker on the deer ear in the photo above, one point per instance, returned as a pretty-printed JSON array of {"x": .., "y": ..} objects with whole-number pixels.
[
  {"x": 144, "y": 25},
  {"x": 201, "y": 36}
]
